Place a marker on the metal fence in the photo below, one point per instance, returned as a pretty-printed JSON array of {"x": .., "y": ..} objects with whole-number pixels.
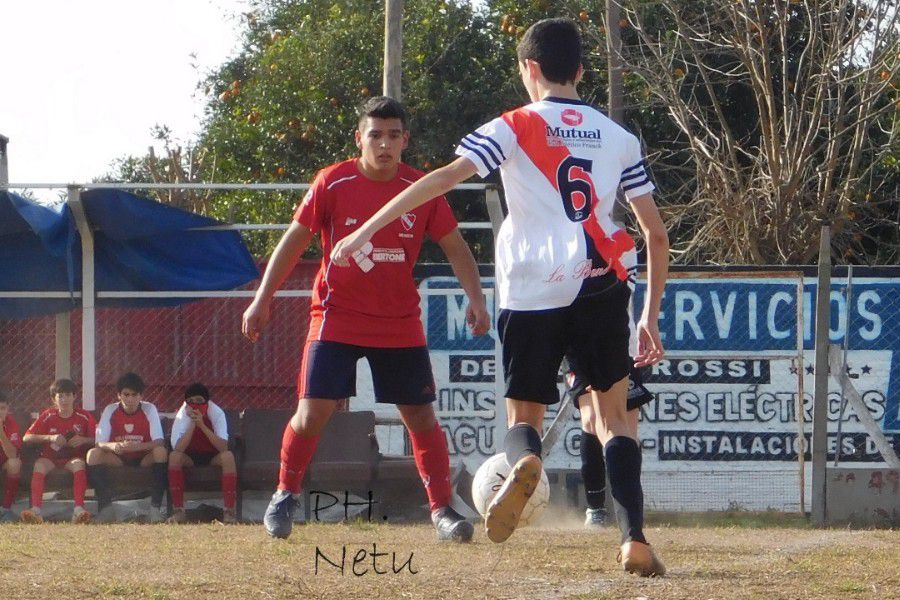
[{"x": 729, "y": 428}]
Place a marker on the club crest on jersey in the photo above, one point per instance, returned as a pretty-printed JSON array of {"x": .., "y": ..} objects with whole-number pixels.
[
  {"x": 408, "y": 220},
  {"x": 129, "y": 427},
  {"x": 572, "y": 117}
]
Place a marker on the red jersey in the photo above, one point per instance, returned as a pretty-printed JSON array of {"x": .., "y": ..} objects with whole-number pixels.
[
  {"x": 374, "y": 301},
  {"x": 11, "y": 429},
  {"x": 213, "y": 417},
  {"x": 118, "y": 426},
  {"x": 49, "y": 422}
]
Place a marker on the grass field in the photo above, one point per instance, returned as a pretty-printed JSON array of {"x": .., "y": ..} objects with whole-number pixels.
[{"x": 743, "y": 560}]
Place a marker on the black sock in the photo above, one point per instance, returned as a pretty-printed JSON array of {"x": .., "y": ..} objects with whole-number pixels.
[
  {"x": 593, "y": 470},
  {"x": 98, "y": 477},
  {"x": 521, "y": 440},
  {"x": 160, "y": 483},
  {"x": 623, "y": 461}
]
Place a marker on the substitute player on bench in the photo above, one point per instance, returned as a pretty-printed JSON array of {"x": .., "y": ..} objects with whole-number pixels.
[
  {"x": 564, "y": 269},
  {"x": 370, "y": 310}
]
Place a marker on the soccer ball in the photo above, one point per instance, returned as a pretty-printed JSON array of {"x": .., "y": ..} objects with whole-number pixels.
[{"x": 491, "y": 475}]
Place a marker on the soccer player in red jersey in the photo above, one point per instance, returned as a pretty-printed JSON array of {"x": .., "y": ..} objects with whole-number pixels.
[
  {"x": 10, "y": 442},
  {"x": 129, "y": 433},
  {"x": 370, "y": 310},
  {"x": 200, "y": 437},
  {"x": 564, "y": 270},
  {"x": 65, "y": 434}
]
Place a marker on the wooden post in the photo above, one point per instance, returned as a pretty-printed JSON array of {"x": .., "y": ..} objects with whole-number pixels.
[
  {"x": 393, "y": 48},
  {"x": 820, "y": 402},
  {"x": 616, "y": 86}
]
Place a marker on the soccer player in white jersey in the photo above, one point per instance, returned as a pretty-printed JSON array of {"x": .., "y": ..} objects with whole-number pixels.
[{"x": 564, "y": 270}]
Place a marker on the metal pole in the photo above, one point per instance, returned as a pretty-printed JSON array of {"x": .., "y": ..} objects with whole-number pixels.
[
  {"x": 801, "y": 417},
  {"x": 820, "y": 402},
  {"x": 4, "y": 164},
  {"x": 393, "y": 48},
  {"x": 63, "y": 346},
  {"x": 88, "y": 317}
]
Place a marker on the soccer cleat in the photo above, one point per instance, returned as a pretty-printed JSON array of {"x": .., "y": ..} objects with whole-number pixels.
[
  {"x": 505, "y": 510},
  {"x": 639, "y": 558},
  {"x": 229, "y": 517},
  {"x": 451, "y": 526},
  {"x": 279, "y": 516},
  {"x": 32, "y": 516},
  {"x": 594, "y": 518},
  {"x": 81, "y": 516},
  {"x": 178, "y": 517},
  {"x": 156, "y": 515}
]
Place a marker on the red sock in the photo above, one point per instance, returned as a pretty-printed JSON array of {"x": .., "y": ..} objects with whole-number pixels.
[
  {"x": 11, "y": 490},
  {"x": 79, "y": 486},
  {"x": 229, "y": 490},
  {"x": 433, "y": 462},
  {"x": 296, "y": 454},
  {"x": 176, "y": 487},
  {"x": 37, "y": 490}
]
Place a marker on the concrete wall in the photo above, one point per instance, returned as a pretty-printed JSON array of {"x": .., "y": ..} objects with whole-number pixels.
[{"x": 862, "y": 496}]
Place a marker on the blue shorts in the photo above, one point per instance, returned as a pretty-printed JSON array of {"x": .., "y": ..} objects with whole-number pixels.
[{"x": 399, "y": 375}]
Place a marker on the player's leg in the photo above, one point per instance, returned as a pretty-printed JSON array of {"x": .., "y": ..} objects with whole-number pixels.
[
  {"x": 12, "y": 467},
  {"x": 593, "y": 465},
  {"x": 99, "y": 463},
  {"x": 42, "y": 466},
  {"x": 78, "y": 469},
  {"x": 327, "y": 374},
  {"x": 177, "y": 461},
  {"x": 225, "y": 460},
  {"x": 158, "y": 460},
  {"x": 403, "y": 376},
  {"x": 617, "y": 429},
  {"x": 533, "y": 347}
]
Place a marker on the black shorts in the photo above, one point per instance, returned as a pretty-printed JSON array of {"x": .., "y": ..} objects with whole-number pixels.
[
  {"x": 594, "y": 329},
  {"x": 577, "y": 385},
  {"x": 201, "y": 459},
  {"x": 399, "y": 375}
]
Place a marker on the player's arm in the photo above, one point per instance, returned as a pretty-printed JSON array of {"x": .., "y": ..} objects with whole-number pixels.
[
  {"x": 650, "y": 347},
  {"x": 220, "y": 442},
  {"x": 466, "y": 271},
  {"x": 182, "y": 430},
  {"x": 9, "y": 449},
  {"x": 35, "y": 435},
  {"x": 430, "y": 186},
  {"x": 288, "y": 251}
]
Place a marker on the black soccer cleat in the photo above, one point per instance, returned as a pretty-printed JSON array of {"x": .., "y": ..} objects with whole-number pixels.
[
  {"x": 279, "y": 516},
  {"x": 595, "y": 518},
  {"x": 451, "y": 526}
]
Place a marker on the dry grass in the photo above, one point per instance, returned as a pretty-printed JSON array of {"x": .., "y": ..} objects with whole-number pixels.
[{"x": 225, "y": 562}]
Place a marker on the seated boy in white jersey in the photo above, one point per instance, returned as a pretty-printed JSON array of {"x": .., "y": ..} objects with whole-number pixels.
[
  {"x": 200, "y": 437},
  {"x": 563, "y": 269},
  {"x": 370, "y": 310},
  {"x": 129, "y": 434}
]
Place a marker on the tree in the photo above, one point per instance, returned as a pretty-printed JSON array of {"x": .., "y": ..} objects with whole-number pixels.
[{"x": 788, "y": 112}]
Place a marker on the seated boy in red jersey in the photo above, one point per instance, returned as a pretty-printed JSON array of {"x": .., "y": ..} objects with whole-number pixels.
[
  {"x": 65, "y": 434},
  {"x": 200, "y": 437},
  {"x": 10, "y": 442},
  {"x": 129, "y": 433},
  {"x": 370, "y": 310}
]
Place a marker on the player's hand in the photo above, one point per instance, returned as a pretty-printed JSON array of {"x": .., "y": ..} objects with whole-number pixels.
[
  {"x": 478, "y": 319},
  {"x": 350, "y": 247},
  {"x": 650, "y": 347},
  {"x": 195, "y": 416},
  {"x": 74, "y": 442},
  {"x": 60, "y": 440},
  {"x": 255, "y": 319}
]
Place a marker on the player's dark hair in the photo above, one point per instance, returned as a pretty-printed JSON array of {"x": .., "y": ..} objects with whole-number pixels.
[
  {"x": 132, "y": 381},
  {"x": 63, "y": 386},
  {"x": 382, "y": 107},
  {"x": 555, "y": 44},
  {"x": 196, "y": 389}
]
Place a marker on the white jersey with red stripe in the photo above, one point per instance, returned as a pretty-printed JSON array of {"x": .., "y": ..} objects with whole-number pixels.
[{"x": 561, "y": 162}]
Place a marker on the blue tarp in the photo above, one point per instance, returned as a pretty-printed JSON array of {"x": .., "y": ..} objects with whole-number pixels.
[{"x": 139, "y": 245}]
